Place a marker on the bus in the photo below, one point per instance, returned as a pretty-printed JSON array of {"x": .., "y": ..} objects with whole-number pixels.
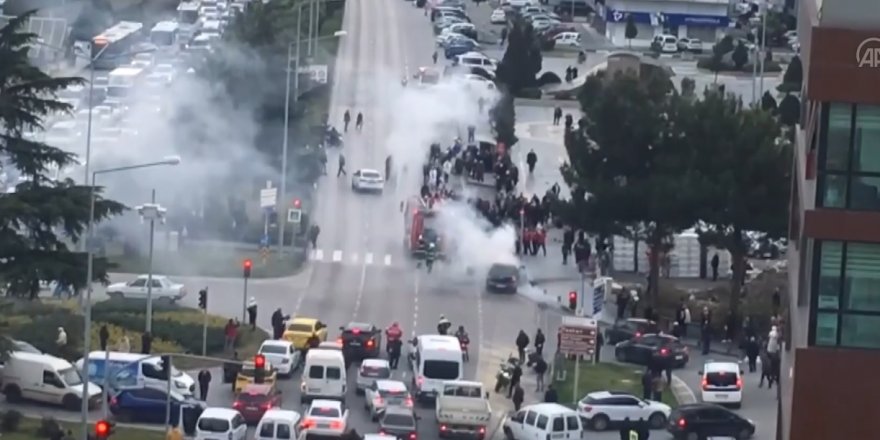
[
  {"x": 110, "y": 49},
  {"x": 121, "y": 82},
  {"x": 164, "y": 34},
  {"x": 187, "y": 19}
]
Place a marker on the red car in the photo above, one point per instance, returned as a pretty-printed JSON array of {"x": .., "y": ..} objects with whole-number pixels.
[{"x": 255, "y": 399}]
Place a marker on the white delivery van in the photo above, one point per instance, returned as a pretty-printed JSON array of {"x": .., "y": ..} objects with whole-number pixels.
[
  {"x": 133, "y": 370},
  {"x": 45, "y": 378},
  {"x": 278, "y": 424},
  {"x": 220, "y": 423},
  {"x": 324, "y": 375},
  {"x": 544, "y": 421},
  {"x": 434, "y": 359}
]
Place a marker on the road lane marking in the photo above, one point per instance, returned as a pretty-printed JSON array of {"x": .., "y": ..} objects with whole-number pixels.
[
  {"x": 360, "y": 293},
  {"x": 337, "y": 256},
  {"x": 354, "y": 258},
  {"x": 318, "y": 254},
  {"x": 480, "y": 331},
  {"x": 368, "y": 259},
  {"x": 388, "y": 260},
  {"x": 415, "y": 306}
]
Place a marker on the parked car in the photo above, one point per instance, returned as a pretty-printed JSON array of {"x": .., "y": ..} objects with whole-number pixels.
[
  {"x": 705, "y": 420},
  {"x": 686, "y": 44},
  {"x": 654, "y": 347},
  {"x": 499, "y": 16}
]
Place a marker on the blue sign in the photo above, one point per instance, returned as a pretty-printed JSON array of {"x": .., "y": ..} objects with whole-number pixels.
[
  {"x": 598, "y": 298},
  {"x": 666, "y": 19},
  {"x": 264, "y": 242}
]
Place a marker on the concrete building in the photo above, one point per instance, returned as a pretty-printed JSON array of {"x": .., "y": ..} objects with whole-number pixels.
[
  {"x": 703, "y": 19},
  {"x": 829, "y": 369}
]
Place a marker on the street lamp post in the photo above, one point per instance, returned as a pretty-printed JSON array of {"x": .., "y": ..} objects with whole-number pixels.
[
  {"x": 87, "y": 327},
  {"x": 152, "y": 212},
  {"x": 282, "y": 203}
]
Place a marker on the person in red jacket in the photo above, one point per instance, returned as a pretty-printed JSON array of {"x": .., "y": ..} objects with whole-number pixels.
[
  {"x": 540, "y": 241},
  {"x": 528, "y": 241}
]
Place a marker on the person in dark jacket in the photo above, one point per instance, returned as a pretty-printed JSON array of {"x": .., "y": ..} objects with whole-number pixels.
[
  {"x": 515, "y": 378},
  {"x": 204, "y": 383},
  {"x": 146, "y": 343},
  {"x": 551, "y": 396},
  {"x": 522, "y": 341},
  {"x": 539, "y": 342},
  {"x": 518, "y": 397},
  {"x": 531, "y": 160},
  {"x": 643, "y": 429},
  {"x": 647, "y": 384},
  {"x": 600, "y": 342},
  {"x": 625, "y": 426},
  {"x": 752, "y": 349},
  {"x": 540, "y": 371},
  {"x": 103, "y": 336},
  {"x": 277, "y": 324},
  {"x": 314, "y": 341},
  {"x": 394, "y": 347}
]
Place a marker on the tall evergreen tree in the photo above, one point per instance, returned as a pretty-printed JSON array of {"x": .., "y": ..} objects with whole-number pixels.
[
  {"x": 504, "y": 120},
  {"x": 631, "y": 30},
  {"x": 42, "y": 216},
  {"x": 522, "y": 60}
]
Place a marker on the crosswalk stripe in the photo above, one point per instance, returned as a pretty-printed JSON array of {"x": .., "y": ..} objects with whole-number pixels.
[
  {"x": 388, "y": 260},
  {"x": 319, "y": 254},
  {"x": 368, "y": 259},
  {"x": 354, "y": 258},
  {"x": 337, "y": 256}
]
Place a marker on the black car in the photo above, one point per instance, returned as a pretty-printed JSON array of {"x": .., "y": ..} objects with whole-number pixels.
[
  {"x": 653, "y": 349},
  {"x": 626, "y": 329},
  {"x": 703, "y": 420},
  {"x": 428, "y": 237},
  {"x": 399, "y": 422},
  {"x": 502, "y": 278},
  {"x": 361, "y": 340}
]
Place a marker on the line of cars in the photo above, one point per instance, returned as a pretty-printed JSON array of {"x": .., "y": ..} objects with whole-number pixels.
[{"x": 551, "y": 31}]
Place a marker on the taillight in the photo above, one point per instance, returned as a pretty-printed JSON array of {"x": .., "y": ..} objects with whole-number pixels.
[
  {"x": 739, "y": 383},
  {"x": 336, "y": 424},
  {"x": 705, "y": 384},
  {"x": 638, "y": 334},
  {"x": 412, "y": 436},
  {"x": 443, "y": 427},
  {"x": 482, "y": 429},
  {"x": 420, "y": 380},
  {"x": 339, "y": 341},
  {"x": 682, "y": 422},
  {"x": 266, "y": 406},
  {"x": 664, "y": 352},
  {"x": 113, "y": 401},
  {"x": 378, "y": 400},
  {"x": 370, "y": 343},
  {"x": 236, "y": 404},
  {"x": 586, "y": 408},
  {"x": 307, "y": 423},
  {"x": 409, "y": 402}
]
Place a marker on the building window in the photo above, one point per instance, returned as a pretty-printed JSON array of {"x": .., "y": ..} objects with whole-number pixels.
[
  {"x": 846, "y": 294},
  {"x": 849, "y": 163}
]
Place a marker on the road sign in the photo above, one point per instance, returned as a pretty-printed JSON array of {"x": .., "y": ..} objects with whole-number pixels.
[
  {"x": 264, "y": 242},
  {"x": 268, "y": 196},
  {"x": 317, "y": 72},
  {"x": 294, "y": 215},
  {"x": 577, "y": 336}
]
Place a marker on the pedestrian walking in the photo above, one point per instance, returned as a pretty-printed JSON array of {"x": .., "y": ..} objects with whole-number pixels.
[
  {"x": 503, "y": 36},
  {"x": 472, "y": 134},
  {"x": 715, "y": 262},
  {"x": 539, "y": 342},
  {"x": 522, "y": 341},
  {"x": 657, "y": 386},
  {"x": 204, "y": 383},
  {"x": 531, "y": 160},
  {"x": 277, "y": 324},
  {"x": 515, "y": 378},
  {"x": 540, "y": 371},
  {"x": 434, "y": 57},
  {"x": 146, "y": 343},
  {"x": 346, "y": 119},
  {"x": 776, "y": 301},
  {"x": 766, "y": 371},
  {"x": 625, "y": 426},
  {"x": 394, "y": 348},
  {"x": 600, "y": 342},
  {"x": 647, "y": 383},
  {"x": 103, "y": 336},
  {"x": 341, "y": 171},
  {"x": 557, "y": 115},
  {"x": 252, "y": 313},
  {"x": 230, "y": 334},
  {"x": 359, "y": 122},
  {"x": 551, "y": 396},
  {"x": 518, "y": 397},
  {"x": 753, "y": 350}
]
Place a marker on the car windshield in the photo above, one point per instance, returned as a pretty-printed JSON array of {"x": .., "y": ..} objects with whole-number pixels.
[
  {"x": 324, "y": 412},
  {"x": 375, "y": 372},
  {"x": 721, "y": 379},
  {"x": 70, "y": 376},
  {"x": 300, "y": 328},
  {"x": 370, "y": 175},
  {"x": 392, "y": 393},
  {"x": 401, "y": 420},
  {"x": 443, "y": 370},
  {"x": 429, "y": 234},
  {"x": 211, "y": 424},
  {"x": 273, "y": 349},
  {"x": 502, "y": 271}
]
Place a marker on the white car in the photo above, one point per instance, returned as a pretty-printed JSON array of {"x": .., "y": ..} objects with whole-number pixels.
[
  {"x": 370, "y": 371},
  {"x": 568, "y": 39},
  {"x": 162, "y": 288},
  {"x": 166, "y": 70},
  {"x": 601, "y": 409},
  {"x": 282, "y": 355},
  {"x": 721, "y": 383},
  {"x": 447, "y": 35},
  {"x": 686, "y": 44},
  {"x": 478, "y": 80},
  {"x": 520, "y": 3},
  {"x": 384, "y": 393},
  {"x": 142, "y": 60},
  {"x": 498, "y": 16},
  {"x": 326, "y": 418},
  {"x": 367, "y": 180}
]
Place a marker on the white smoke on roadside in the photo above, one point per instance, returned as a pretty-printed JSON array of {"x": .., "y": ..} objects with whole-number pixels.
[{"x": 473, "y": 243}]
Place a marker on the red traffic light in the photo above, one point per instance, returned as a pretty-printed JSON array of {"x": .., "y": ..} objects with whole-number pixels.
[
  {"x": 102, "y": 429},
  {"x": 248, "y": 263},
  {"x": 259, "y": 362},
  {"x": 297, "y": 203}
]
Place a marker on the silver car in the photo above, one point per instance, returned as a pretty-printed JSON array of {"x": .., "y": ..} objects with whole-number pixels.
[{"x": 386, "y": 393}]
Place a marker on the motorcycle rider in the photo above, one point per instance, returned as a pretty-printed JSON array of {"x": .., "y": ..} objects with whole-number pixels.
[
  {"x": 393, "y": 332},
  {"x": 463, "y": 339},
  {"x": 443, "y": 325},
  {"x": 430, "y": 256}
]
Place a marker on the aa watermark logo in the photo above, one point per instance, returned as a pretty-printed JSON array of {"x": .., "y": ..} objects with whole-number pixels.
[{"x": 868, "y": 53}]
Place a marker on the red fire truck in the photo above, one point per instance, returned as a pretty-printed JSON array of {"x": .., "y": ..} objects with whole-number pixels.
[{"x": 419, "y": 229}]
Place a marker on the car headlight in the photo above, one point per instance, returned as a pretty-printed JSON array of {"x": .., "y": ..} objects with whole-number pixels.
[{"x": 179, "y": 384}]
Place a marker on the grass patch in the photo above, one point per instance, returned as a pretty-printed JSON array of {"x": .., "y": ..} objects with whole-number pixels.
[
  {"x": 226, "y": 263},
  {"x": 33, "y": 429},
  {"x": 603, "y": 377}
]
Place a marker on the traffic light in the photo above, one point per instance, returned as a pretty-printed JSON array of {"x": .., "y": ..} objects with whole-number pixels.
[
  {"x": 103, "y": 429},
  {"x": 247, "y": 267},
  {"x": 203, "y": 299},
  {"x": 165, "y": 367},
  {"x": 259, "y": 368},
  {"x": 297, "y": 203},
  {"x": 572, "y": 300}
]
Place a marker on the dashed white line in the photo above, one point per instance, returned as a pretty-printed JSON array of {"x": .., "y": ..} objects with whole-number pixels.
[
  {"x": 360, "y": 294},
  {"x": 368, "y": 259},
  {"x": 337, "y": 256},
  {"x": 479, "y": 329},
  {"x": 388, "y": 260},
  {"x": 415, "y": 321}
]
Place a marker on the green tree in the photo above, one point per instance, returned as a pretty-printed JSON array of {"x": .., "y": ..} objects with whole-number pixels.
[
  {"x": 793, "y": 78},
  {"x": 522, "y": 59},
  {"x": 740, "y": 56},
  {"x": 504, "y": 120},
  {"x": 630, "y": 155},
  {"x": 42, "y": 216},
  {"x": 744, "y": 178},
  {"x": 631, "y": 30},
  {"x": 768, "y": 103}
]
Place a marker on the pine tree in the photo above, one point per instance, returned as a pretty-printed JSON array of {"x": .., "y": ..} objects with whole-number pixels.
[
  {"x": 504, "y": 120},
  {"x": 631, "y": 30},
  {"x": 522, "y": 60},
  {"x": 41, "y": 216}
]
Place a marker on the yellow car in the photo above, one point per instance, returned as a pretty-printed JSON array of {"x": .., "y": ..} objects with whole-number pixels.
[
  {"x": 246, "y": 376},
  {"x": 299, "y": 330}
]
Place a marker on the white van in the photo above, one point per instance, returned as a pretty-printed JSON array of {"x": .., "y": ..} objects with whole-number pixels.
[
  {"x": 544, "y": 421},
  {"x": 45, "y": 378},
  {"x": 721, "y": 383},
  {"x": 666, "y": 43},
  {"x": 221, "y": 423},
  {"x": 133, "y": 370},
  {"x": 435, "y": 359},
  {"x": 278, "y": 424},
  {"x": 324, "y": 375},
  {"x": 476, "y": 59}
]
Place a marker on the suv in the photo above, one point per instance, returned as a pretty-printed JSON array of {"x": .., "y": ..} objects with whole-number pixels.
[
  {"x": 603, "y": 409},
  {"x": 722, "y": 383},
  {"x": 702, "y": 420}
]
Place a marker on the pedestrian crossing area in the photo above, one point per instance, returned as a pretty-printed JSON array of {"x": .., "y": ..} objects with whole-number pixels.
[{"x": 343, "y": 257}]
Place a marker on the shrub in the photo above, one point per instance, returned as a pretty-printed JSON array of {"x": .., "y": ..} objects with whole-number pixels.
[
  {"x": 10, "y": 421},
  {"x": 530, "y": 93},
  {"x": 49, "y": 428},
  {"x": 548, "y": 78}
]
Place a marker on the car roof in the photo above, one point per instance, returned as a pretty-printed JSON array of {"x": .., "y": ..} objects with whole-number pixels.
[
  {"x": 607, "y": 394},
  {"x": 326, "y": 403},
  {"x": 399, "y": 410},
  {"x": 640, "y": 321},
  {"x": 276, "y": 342},
  {"x": 391, "y": 385},
  {"x": 367, "y": 170},
  {"x": 257, "y": 389},
  {"x": 281, "y": 414},
  {"x": 701, "y": 406},
  {"x": 372, "y": 362},
  {"x": 363, "y": 326},
  {"x": 550, "y": 409},
  {"x": 218, "y": 413},
  {"x": 46, "y": 359},
  {"x": 717, "y": 367},
  {"x": 303, "y": 320},
  {"x": 155, "y": 277}
]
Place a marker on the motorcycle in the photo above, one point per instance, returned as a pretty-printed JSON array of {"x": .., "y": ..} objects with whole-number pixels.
[
  {"x": 333, "y": 138},
  {"x": 504, "y": 374}
]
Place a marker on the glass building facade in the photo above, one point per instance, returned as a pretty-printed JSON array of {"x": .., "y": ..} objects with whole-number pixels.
[{"x": 849, "y": 162}]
